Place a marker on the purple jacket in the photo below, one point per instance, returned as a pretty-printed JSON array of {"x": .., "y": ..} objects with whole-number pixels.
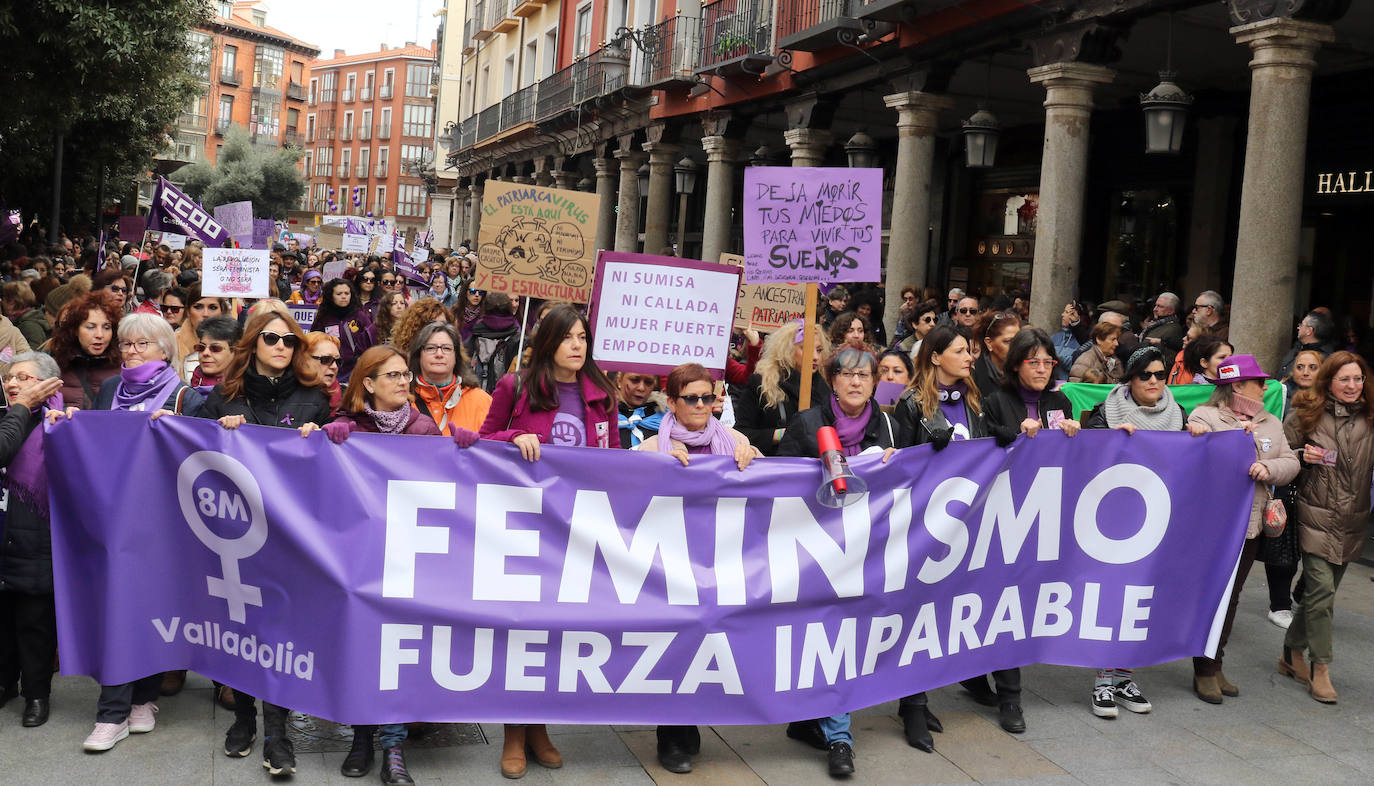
[
  {"x": 418, "y": 423},
  {"x": 355, "y": 336},
  {"x": 509, "y": 416}
]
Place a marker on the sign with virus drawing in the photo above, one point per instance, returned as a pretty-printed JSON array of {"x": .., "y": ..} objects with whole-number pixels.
[{"x": 537, "y": 242}]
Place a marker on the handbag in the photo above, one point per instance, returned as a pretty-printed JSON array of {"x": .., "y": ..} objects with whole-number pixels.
[{"x": 1275, "y": 516}]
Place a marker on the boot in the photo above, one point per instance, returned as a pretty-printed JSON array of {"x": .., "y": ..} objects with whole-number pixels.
[
  {"x": 545, "y": 754},
  {"x": 1321, "y": 688},
  {"x": 172, "y": 682},
  {"x": 513, "y": 752},
  {"x": 1293, "y": 665},
  {"x": 394, "y": 767},
  {"x": 916, "y": 729},
  {"x": 358, "y": 762},
  {"x": 1227, "y": 688},
  {"x": 1207, "y": 689}
]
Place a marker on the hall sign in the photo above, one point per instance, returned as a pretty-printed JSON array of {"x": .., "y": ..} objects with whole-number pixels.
[{"x": 1345, "y": 182}]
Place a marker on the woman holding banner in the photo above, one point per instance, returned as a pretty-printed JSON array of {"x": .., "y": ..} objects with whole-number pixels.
[
  {"x": 444, "y": 382},
  {"x": 323, "y": 351},
  {"x": 83, "y": 344},
  {"x": 1025, "y": 404},
  {"x": 268, "y": 382},
  {"x": 767, "y": 401},
  {"x": 561, "y": 398},
  {"x": 688, "y": 429}
]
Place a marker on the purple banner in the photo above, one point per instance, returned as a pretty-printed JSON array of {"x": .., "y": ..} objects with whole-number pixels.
[
  {"x": 812, "y": 224},
  {"x": 173, "y": 211},
  {"x": 131, "y": 229},
  {"x": 422, "y": 581},
  {"x": 402, "y": 262}
]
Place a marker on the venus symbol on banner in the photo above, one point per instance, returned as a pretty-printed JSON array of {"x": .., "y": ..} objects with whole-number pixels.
[{"x": 199, "y": 501}]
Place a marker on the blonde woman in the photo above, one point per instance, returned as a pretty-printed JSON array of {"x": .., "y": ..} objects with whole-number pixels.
[{"x": 767, "y": 401}]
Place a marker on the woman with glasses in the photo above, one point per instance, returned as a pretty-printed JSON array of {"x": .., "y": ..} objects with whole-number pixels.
[
  {"x": 269, "y": 381},
  {"x": 118, "y": 284},
  {"x": 323, "y": 351},
  {"x": 370, "y": 292},
  {"x": 216, "y": 338},
  {"x": 922, "y": 320},
  {"x": 83, "y": 344},
  {"x": 311, "y": 291},
  {"x": 340, "y": 316},
  {"x": 443, "y": 381},
  {"x": 415, "y": 317},
  {"x": 439, "y": 289},
  {"x": 200, "y": 308},
  {"x": 391, "y": 281},
  {"x": 1025, "y": 404},
  {"x": 688, "y": 429},
  {"x": 769, "y": 399},
  {"x": 1332, "y": 429}
]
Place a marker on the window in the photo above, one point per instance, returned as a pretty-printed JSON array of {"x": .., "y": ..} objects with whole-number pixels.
[
  {"x": 362, "y": 195},
  {"x": 366, "y": 122},
  {"x": 293, "y": 119},
  {"x": 364, "y": 157},
  {"x": 324, "y": 155},
  {"x": 550, "y": 52},
  {"x": 380, "y": 209},
  {"x": 267, "y": 66},
  {"x": 531, "y": 64},
  {"x": 186, "y": 149},
  {"x": 224, "y": 8},
  {"x": 309, "y": 157},
  {"x": 410, "y": 200},
  {"x": 412, "y": 156},
  {"x": 228, "y": 61},
  {"x": 259, "y": 17},
  {"x": 508, "y": 76},
  {"x": 346, "y": 160},
  {"x": 388, "y": 84},
  {"x": 619, "y": 15},
  {"x": 369, "y": 79},
  {"x": 200, "y": 54},
  {"x": 266, "y": 117},
  {"x": 482, "y": 87},
  {"x": 314, "y": 91},
  {"x": 226, "y": 112},
  {"x": 418, "y": 120},
  {"x": 327, "y": 84},
  {"x": 347, "y": 125},
  {"x": 310, "y": 128},
  {"x": 321, "y": 196},
  {"x": 417, "y": 79},
  {"x": 386, "y": 118},
  {"x": 297, "y": 72},
  {"x": 582, "y": 31},
  {"x": 383, "y": 165}
]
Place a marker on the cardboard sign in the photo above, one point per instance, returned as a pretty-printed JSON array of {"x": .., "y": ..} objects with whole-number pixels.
[
  {"x": 235, "y": 272},
  {"x": 169, "y": 239},
  {"x": 537, "y": 242},
  {"x": 334, "y": 269},
  {"x": 329, "y": 237},
  {"x": 237, "y": 218},
  {"x": 651, "y": 314},
  {"x": 354, "y": 244},
  {"x": 812, "y": 224},
  {"x": 766, "y": 307}
]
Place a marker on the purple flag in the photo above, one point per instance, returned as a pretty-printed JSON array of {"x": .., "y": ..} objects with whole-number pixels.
[
  {"x": 173, "y": 211},
  {"x": 402, "y": 262},
  {"x": 470, "y": 585}
]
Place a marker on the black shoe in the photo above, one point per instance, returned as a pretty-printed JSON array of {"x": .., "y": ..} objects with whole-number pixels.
[
  {"x": 358, "y": 762},
  {"x": 809, "y": 732},
  {"x": 35, "y": 713},
  {"x": 394, "y": 766},
  {"x": 675, "y": 758},
  {"x": 933, "y": 723},
  {"x": 8, "y": 693},
  {"x": 916, "y": 729},
  {"x": 1011, "y": 718},
  {"x": 278, "y": 755},
  {"x": 841, "y": 760},
  {"x": 238, "y": 741},
  {"x": 978, "y": 689}
]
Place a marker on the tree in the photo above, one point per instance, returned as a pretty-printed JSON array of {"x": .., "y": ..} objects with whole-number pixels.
[
  {"x": 107, "y": 76},
  {"x": 268, "y": 177}
]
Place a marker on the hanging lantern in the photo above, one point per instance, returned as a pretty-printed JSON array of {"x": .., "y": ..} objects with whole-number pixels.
[
  {"x": 981, "y": 132},
  {"x": 1166, "y": 116},
  {"x": 861, "y": 151}
]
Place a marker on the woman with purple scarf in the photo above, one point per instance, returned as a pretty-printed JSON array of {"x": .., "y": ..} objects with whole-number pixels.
[
  {"x": 688, "y": 429},
  {"x": 862, "y": 427},
  {"x": 28, "y": 620}
]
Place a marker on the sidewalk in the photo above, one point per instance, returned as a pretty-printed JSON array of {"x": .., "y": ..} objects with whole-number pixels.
[{"x": 1274, "y": 733}]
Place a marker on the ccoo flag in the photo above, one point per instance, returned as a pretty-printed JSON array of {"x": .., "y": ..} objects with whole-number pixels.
[{"x": 173, "y": 211}]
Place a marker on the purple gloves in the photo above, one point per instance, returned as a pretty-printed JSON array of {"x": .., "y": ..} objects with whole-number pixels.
[
  {"x": 338, "y": 430},
  {"x": 463, "y": 437}
]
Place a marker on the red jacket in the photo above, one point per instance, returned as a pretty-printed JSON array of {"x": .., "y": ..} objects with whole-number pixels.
[{"x": 510, "y": 416}]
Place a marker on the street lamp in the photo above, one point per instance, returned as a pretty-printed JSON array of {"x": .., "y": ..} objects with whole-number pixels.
[
  {"x": 586, "y": 184},
  {"x": 761, "y": 157},
  {"x": 1166, "y": 115},
  {"x": 644, "y": 181},
  {"x": 685, "y": 172},
  {"x": 862, "y": 151},
  {"x": 981, "y": 132}
]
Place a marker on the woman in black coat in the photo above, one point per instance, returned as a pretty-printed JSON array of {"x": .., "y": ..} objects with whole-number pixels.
[{"x": 1025, "y": 404}]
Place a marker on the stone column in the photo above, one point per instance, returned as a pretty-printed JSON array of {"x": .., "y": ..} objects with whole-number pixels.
[
  {"x": 627, "y": 221},
  {"x": 1284, "y": 56},
  {"x": 660, "y": 202},
  {"x": 808, "y": 145},
  {"x": 908, "y": 244},
  {"x": 564, "y": 179},
  {"x": 475, "y": 213},
  {"x": 721, "y": 154},
  {"x": 455, "y": 219},
  {"x": 542, "y": 175},
  {"x": 605, "y": 195},
  {"x": 1063, "y": 178}
]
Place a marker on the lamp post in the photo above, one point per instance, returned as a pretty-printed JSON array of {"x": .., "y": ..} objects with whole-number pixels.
[
  {"x": 981, "y": 132},
  {"x": 685, "y": 173},
  {"x": 861, "y": 151}
]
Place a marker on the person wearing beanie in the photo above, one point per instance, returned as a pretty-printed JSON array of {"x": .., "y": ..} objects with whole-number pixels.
[{"x": 310, "y": 292}]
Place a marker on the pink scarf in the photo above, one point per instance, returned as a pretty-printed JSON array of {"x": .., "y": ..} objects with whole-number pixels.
[{"x": 716, "y": 435}]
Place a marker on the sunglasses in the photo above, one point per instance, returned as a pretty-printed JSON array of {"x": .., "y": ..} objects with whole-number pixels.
[
  {"x": 213, "y": 349},
  {"x": 326, "y": 360},
  {"x": 708, "y": 399},
  {"x": 388, "y": 282},
  {"x": 368, "y": 279},
  {"x": 1146, "y": 376},
  {"x": 173, "y": 309},
  {"x": 290, "y": 340},
  {"x": 967, "y": 311}
]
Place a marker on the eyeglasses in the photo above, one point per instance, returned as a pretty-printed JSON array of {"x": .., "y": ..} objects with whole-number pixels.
[
  {"x": 173, "y": 309},
  {"x": 396, "y": 376},
  {"x": 8, "y": 378},
  {"x": 326, "y": 360},
  {"x": 928, "y": 318},
  {"x": 120, "y": 290},
  {"x": 141, "y": 346},
  {"x": 1201, "y": 305},
  {"x": 692, "y": 401},
  {"x": 1349, "y": 380},
  {"x": 437, "y": 349},
  {"x": 1146, "y": 376},
  {"x": 967, "y": 311},
  {"x": 1041, "y": 363},
  {"x": 290, "y": 340},
  {"x": 860, "y": 376},
  {"x": 213, "y": 349}
]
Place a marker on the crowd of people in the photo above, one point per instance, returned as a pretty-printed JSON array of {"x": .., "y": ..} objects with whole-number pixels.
[{"x": 130, "y": 329}]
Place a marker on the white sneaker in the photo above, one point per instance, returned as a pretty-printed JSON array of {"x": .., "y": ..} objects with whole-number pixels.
[
  {"x": 1282, "y": 618},
  {"x": 106, "y": 735},
  {"x": 141, "y": 720}
]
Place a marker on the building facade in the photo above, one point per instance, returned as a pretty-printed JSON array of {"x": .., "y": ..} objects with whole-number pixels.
[{"x": 369, "y": 134}]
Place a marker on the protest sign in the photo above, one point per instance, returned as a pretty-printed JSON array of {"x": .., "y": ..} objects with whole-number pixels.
[
  {"x": 169, "y": 239},
  {"x": 474, "y": 583},
  {"x": 329, "y": 237},
  {"x": 173, "y": 211},
  {"x": 304, "y": 315},
  {"x": 812, "y": 224},
  {"x": 537, "y": 242},
  {"x": 766, "y": 307},
  {"x": 237, "y": 220},
  {"x": 354, "y": 244},
  {"x": 419, "y": 255},
  {"x": 383, "y": 243},
  {"x": 131, "y": 228},
  {"x": 334, "y": 269},
  {"x": 235, "y": 272},
  {"x": 651, "y": 314},
  {"x": 1085, "y": 396},
  {"x": 262, "y": 233}
]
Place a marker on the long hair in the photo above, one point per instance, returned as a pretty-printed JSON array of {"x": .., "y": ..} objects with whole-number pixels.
[
  {"x": 538, "y": 379},
  {"x": 462, "y": 365},
  {"x": 368, "y": 364},
  {"x": 65, "y": 341},
  {"x": 1310, "y": 403},
  {"x": 385, "y": 321},
  {"x": 327, "y": 307},
  {"x": 924, "y": 384},
  {"x": 416, "y": 316},
  {"x": 778, "y": 360},
  {"x": 231, "y": 381}
]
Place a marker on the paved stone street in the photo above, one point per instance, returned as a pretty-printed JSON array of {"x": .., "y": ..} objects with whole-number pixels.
[{"x": 1273, "y": 733}]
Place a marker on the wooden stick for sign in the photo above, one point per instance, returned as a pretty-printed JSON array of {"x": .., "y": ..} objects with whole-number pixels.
[
  {"x": 520, "y": 350},
  {"x": 808, "y": 346}
]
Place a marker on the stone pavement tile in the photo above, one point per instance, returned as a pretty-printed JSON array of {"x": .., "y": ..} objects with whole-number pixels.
[
  {"x": 1085, "y": 758},
  {"x": 1042, "y": 780},
  {"x": 1050, "y": 722},
  {"x": 1328, "y": 733},
  {"x": 716, "y": 764},
  {"x": 310, "y": 769},
  {"x": 1148, "y": 775},
  {"x": 1250, "y": 740},
  {"x": 881, "y": 756},
  {"x": 1222, "y": 770},
  {"x": 1310, "y": 769},
  {"x": 1157, "y": 741},
  {"x": 984, "y": 752},
  {"x": 1362, "y": 760}
]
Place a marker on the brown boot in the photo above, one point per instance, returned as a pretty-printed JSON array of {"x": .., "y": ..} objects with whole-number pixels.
[
  {"x": 537, "y": 737},
  {"x": 1227, "y": 688},
  {"x": 1293, "y": 665},
  {"x": 172, "y": 682},
  {"x": 1321, "y": 688},
  {"x": 513, "y": 752},
  {"x": 1207, "y": 689}
]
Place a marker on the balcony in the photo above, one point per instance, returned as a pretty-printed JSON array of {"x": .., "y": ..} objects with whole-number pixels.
[
  {"x": 498, "y": 17},
  {"x": 813, "y": 25},
  {"x": 364, "y": 132},
  {"x": 384, "y": 93},
  {"x": 673, "y": 57},
  {"x": 345, "y": 171},
  {"x": 192, "y": 122},
  {"x": 595, "y": 75},
  {"x": 479, "y": 22},
  {"x": 379, "y": 170},
  {"x": 346, "y": 134},
  {"x": 736, "y": 37},
  {"x": 295, "y": 91},
  {"x": 527, "y": 8},
  {"x": 518, "y": 107},
  {"x": 324, "y": 170},
  {"x": 328, "y": 95},
  {"x": 230, "y": 76},
  {"x": 362, "y": 171},
  {"x": 897, "y": 10},
  {"x": 383, "y": 131},
  {"x": 222, "y": 125},
  {"x": 327, "y": 133},
  {"x": 489, "y": 122},
  {"x": 467, "y": 132},
  {"x": 365, "y": 95},
  {"x": 291, "y": 138},
  {"x": 347, "y": 95}
]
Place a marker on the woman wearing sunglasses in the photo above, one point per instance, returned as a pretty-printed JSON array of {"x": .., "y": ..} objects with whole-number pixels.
[
  {"x": 323, "y": 351},
  {"x": 370, "y": 291},
  {"x": 216, "y": 337},
  {"x": 200, "y": 308},
  {"x": 471, "y": 312},
  {"x": 269, "y": 381}
]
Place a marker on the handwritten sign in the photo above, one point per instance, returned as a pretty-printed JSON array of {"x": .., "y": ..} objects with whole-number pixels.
[
  {"x": 812, "y": 224},
  {"x": 235, "y": 272},
  {"x": 263, "y": 228},
  {"x": 169, "y": 239},
  {"x": 651, "y": 314},
  {"x": 237, "y": 219},
  {"x": 334, "y": 269},
  {"x": 537, "y": 242},
  {"x": 766, "y": 307},
  {"x": 354, "y": 244}
]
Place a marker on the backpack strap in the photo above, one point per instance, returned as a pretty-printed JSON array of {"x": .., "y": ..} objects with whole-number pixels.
[{"x": 181, "y": 396}]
